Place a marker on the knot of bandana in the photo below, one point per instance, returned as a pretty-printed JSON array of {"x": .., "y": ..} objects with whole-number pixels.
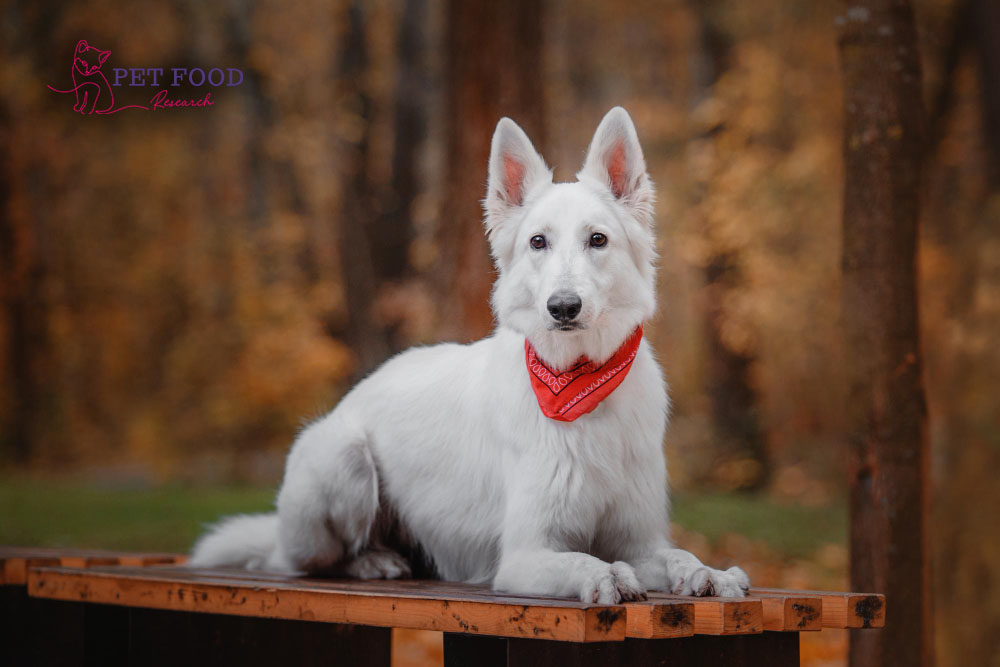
[{"x": 575, "y": 392}]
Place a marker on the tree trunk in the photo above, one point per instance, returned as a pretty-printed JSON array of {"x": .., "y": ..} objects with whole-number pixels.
[
  {"x": 493, "y": 68},
  {"x": 394, "y": 231},
  {"x": 358, "y": 210},
  {"x": 737, "y": 435},
  {"x": 742, "y": 461},
  {"x": 886, "y": 412},
  {"x": 986, "y": 22},
  {"x": 20, "y": 296}
]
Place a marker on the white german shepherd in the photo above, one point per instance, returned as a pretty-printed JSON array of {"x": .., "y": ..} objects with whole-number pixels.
[{"x": 443, "y": 461}]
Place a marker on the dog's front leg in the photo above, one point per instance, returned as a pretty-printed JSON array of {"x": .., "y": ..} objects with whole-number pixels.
[
  {"x": 680, "y": 572},
  {"x": 540, "y": 544},
  {"x": 567, "y": 574}
]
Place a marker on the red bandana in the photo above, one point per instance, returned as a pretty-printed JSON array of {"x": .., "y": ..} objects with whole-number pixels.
[{"x": 565, "y": 396}]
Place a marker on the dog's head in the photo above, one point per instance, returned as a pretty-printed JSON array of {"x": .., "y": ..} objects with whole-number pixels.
[{"x": 575, "y": 260}]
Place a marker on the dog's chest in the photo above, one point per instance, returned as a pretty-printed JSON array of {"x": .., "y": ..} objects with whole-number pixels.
[
  {"x": 475, "y": 461},
  {"x": 580, "y": 478}
]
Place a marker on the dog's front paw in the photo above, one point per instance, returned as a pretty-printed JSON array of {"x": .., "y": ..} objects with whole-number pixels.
[
  {"x": 741, "y": 578},
  {"x": 704, "y": 581},
  {"x": 627, "y": 582},
  {"x": 613, "y": 584}
]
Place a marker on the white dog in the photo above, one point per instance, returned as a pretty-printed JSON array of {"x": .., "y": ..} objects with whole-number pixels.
[{"x": 532, "y": 459}]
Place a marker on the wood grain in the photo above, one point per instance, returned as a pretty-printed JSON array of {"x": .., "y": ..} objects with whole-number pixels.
[
  {"x": 407, "y": 604},
  {"x": 843, "y": 610},
  {"x": 721, "y": 616},
  {"x": 790, "y": 612},
  {"x": 659, "y": 619}
]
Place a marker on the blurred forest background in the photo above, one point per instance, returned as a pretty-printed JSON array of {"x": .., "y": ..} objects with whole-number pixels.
[{"x": 181, "y": 288}]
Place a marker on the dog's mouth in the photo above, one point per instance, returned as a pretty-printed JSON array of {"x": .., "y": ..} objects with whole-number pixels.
[{"x": 567, "y": 326}]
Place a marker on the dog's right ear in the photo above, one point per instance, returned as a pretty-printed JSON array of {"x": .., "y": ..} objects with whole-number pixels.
[{"x": 515, "y": 169}]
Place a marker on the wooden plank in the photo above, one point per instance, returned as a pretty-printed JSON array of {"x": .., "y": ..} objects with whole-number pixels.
[
  {"x": 721, "y": 616},
  {"x": 673, "y": 618},
  {"x": 57, "y": 552},
  {"x": 15, "y": 561},
  {"x": 382, "y": 604},
  {"x": 15, "y": 569},
  {"x": 844, "y": 610},
  {"x": 79, "y": 560},
  {"x": 668, "y": 618},
  {"x": 791, "y": 612},
  {"x": 659, "y": 619},
  {"x": 146, "y": 560}
]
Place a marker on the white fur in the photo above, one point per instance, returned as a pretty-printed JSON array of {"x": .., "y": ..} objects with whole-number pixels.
[{"x": 451, "y": 437}]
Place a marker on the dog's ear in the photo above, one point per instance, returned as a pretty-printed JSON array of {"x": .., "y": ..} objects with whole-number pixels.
[
  {"x": 615, "y": 161},
  {"x": 515, "y": 169}
]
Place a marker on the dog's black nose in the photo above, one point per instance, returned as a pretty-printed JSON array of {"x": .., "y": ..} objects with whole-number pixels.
[{"x": 564, "y": 306}]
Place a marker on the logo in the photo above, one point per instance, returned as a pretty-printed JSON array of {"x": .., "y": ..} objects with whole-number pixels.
[{"x": 95, "y": 94}]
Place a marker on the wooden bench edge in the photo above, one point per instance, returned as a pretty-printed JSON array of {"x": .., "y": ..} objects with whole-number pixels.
[{"x": 271, "y": 600}]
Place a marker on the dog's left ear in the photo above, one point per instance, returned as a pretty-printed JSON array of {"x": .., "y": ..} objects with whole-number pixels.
[
  {"x": 615, "y": 161},
  {"x": 515, "y": 168}
]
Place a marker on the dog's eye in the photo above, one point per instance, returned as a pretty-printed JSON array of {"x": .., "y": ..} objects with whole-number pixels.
[
  {"x": 598, "y": 240},
  {"x": 538, "y": 242}
]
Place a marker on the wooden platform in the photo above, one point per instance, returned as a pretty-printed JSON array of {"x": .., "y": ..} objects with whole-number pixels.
[{"x": 132, "y": 603}]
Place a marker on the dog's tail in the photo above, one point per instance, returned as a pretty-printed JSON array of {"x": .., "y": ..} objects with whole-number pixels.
[{"x": 244, "y": 541}]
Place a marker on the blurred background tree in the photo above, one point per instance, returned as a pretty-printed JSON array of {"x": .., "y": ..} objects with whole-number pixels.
[
  {"x": 180, "y": 288},
  {"x": 884, "y": 139}
]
